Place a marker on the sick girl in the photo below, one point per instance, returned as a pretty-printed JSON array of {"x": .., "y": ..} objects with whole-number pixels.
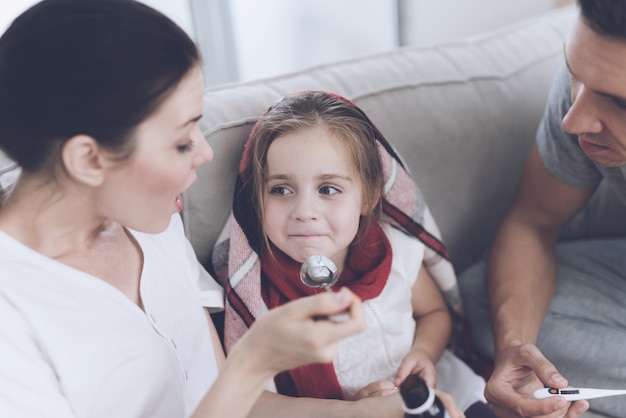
[{"x": 318, "y": 178}]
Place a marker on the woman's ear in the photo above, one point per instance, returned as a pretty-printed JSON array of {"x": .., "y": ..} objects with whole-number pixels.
[{"x": 82, "y": 159}]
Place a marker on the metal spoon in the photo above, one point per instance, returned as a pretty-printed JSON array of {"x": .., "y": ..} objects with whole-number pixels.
[{"x": 319, "y": 271}]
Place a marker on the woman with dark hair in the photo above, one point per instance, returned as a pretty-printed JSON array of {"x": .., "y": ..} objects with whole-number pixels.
[{"x": 101, "y": 297}]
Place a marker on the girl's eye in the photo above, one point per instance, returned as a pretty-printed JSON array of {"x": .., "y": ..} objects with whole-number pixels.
[
  {"x": 280, "y": 191},
  {"x": 329, "y": 190},
  {"x": 186, "y": 147}
]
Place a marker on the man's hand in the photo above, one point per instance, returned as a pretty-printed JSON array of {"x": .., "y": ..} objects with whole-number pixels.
[{"x": 520, "y": 370}]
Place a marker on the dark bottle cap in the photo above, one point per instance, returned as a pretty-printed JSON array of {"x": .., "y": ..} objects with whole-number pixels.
[{"x": 414, "y": 391}]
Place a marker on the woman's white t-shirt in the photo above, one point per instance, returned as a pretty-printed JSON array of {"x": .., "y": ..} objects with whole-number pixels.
[{"x": 71, "y": 345}]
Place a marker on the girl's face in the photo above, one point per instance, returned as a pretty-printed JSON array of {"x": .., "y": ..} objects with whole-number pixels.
[
  {"x": 313, "y": 198},
  {"x": 143, "y": 192}
]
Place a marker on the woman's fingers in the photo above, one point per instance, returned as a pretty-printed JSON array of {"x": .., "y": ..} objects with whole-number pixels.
[
  {"x": 293, "y": 334},
  {"x": 319, "y": 307},
  {"x": 449, "y": 405}
]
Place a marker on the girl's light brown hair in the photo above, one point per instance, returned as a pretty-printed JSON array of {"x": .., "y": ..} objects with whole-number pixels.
[{"x": 307, "y": 110}]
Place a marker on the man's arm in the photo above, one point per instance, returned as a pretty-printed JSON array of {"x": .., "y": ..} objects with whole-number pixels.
[
  {"x": 521, "y": 267},
  {"x": 521, "y": 279}
]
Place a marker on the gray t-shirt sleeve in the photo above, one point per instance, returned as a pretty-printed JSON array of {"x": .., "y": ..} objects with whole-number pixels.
[{"x": 559, "y": 150}]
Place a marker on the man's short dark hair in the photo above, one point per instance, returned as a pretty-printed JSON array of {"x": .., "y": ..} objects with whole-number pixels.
[{"x": 606, "y": 17}]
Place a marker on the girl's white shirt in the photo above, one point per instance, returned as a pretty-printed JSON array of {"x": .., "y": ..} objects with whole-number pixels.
[
  {"x": 376, "y": 353},
  {"x": 74, "y": 346}
]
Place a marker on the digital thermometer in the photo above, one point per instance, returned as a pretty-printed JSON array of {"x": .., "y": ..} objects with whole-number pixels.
[{"x": 577, "y": 394}]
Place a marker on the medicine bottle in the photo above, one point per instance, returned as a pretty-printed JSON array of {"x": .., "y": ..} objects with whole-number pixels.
[{"x": 420, "y": 401}]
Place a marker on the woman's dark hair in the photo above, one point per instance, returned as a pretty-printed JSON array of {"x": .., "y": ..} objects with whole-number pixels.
[
  {"x": 606, "y": 17},
  {"x": 92, "y": 67}
]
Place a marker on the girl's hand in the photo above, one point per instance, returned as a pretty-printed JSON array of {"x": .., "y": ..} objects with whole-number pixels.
[
  {"x": 420, "y": 363},
  {"x": 374, "y": 389}
]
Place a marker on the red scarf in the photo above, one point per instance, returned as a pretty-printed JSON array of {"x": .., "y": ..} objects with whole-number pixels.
[{"x": 366, "y": 270}]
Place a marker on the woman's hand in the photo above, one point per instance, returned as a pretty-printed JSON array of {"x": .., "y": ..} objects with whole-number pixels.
[
  {"x": 449, "y": 405},
  {"x": 292, "y": 335},
  {"x": 286, "y": 337}
]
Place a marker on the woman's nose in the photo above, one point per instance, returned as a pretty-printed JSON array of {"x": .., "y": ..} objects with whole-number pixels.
[{"x": 204, "y": 152}]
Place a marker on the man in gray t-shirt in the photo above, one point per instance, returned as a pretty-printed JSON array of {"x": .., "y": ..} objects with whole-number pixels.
[
  {"x": 562, "y": 308},
  {"x": 561, "y": 152}
]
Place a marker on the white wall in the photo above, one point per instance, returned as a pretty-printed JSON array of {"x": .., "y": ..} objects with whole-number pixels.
[
  {"x": 277, "y": 36},
  {"x": 445, "y": 20},
  {"x": 274, "y": 36}
]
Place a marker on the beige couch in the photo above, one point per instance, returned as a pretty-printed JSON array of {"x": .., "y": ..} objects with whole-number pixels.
[{"x": 462, "y": 114}]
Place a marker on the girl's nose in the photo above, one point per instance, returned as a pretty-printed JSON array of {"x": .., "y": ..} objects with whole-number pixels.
[{"x": 305, "y": 208}]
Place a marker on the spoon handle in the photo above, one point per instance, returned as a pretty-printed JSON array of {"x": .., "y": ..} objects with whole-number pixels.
[{"x": 340, "y": 317}]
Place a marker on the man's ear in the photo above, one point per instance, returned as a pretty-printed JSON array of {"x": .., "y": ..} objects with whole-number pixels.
[{"x": 82, "y": 158}]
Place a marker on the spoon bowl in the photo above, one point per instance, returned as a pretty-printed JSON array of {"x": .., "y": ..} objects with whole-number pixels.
[{"x": 319, "y": 271}]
